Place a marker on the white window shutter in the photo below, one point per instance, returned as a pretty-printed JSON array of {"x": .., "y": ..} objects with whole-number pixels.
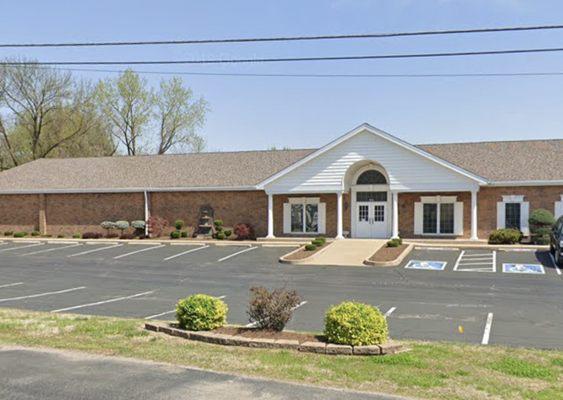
[
  {"x": 558, "y": 209},
  {"x": 524, "y": 215},
  {"x": 458, "y": 218},
  {"x": 500, "y": 215},
  {"x": 322, "y": 218},
  {"x": 418, "y": 218},
  {"x": 286, "y": 218}
]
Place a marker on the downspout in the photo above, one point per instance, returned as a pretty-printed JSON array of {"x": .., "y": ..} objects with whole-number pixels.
[{"x": 147, "y": 212}]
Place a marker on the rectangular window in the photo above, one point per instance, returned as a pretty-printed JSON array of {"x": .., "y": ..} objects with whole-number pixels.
[
  {"x": 297, "y": 218},
  {"x": 312, "y": 218},
  {"x": 430, "y": 218},
  {"x": 512, "y": 215},
  {"x": 447, "y": 218},
  {"x": 379, "y": 213},
  {"x": 371, "y": 196},
  {"x": 363, "y": 213}
]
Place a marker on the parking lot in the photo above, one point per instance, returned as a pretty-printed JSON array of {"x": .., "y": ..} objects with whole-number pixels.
[{"x": 474, "y": 296}]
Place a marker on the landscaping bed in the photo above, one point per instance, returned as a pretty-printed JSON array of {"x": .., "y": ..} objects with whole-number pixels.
[
  {"x": 317, "y": 245},
  {"x": 390, "y": 255}
]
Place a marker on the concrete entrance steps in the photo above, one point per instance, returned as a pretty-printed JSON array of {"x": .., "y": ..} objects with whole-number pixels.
[{"x": 347, "y": 252}]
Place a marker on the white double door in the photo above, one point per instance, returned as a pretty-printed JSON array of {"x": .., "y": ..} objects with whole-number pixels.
[{"x": 371, "y": 219}]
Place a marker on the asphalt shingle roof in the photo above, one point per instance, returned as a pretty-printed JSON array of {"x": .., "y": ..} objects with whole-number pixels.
[{"x": 540, "y": 160}]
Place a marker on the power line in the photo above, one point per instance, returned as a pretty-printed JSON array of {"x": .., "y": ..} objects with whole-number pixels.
[
  {"x": 287, "y": 38},
  {"x": 285, "y": 75},
  {"x": 293, "y": 59}
]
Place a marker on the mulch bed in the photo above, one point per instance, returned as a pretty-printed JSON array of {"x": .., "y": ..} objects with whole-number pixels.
[
  {"x": 388, "y": 253},
  {"x": 302, "y": 253},
  {"x": 253, "y": 333}
]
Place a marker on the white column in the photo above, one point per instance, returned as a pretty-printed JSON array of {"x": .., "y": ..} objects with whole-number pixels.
[
  {"x": 270, "y": 217},
  {"x": 147, "y": 211},
  {"x": 339, "y": 214},
  {"x": 474, "y": 215},
  {"x": 395, "y": 215}
]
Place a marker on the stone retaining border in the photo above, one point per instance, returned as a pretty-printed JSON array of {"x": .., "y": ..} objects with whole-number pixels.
[{"x": 309, "y": 347}]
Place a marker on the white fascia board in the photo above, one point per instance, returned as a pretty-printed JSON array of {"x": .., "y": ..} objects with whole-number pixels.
[
  {"x": 526, "y": 183},
  {"x": 133, "y": 190},
  {"x": 382, "y": 134}
]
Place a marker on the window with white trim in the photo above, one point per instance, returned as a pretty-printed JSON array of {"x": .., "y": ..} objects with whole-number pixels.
[
  {"x": 304, "y": 215},
  {"x": 438, "y": 215},
  {"x": 513, "y": 212}
]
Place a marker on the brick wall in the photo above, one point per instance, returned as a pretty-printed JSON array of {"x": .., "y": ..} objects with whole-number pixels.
[
  {"x": 67, "y": 214},
  {"x": 329, "y": 199},
  {"x": 539, "y": 197},
  {"x": 232, "y": 207},
  {"x": 406, "y": 212},
  {"x": 19, "y": 213}
]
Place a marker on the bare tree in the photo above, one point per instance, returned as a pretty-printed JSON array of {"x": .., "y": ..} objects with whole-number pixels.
[
  {"x": 127, "y": 102},
  {"x": 47, "y": 110},
  {"x": 179, "y": 116}
]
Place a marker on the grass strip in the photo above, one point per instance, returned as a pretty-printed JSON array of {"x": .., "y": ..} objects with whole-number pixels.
[{"x": 434, "y": 370}]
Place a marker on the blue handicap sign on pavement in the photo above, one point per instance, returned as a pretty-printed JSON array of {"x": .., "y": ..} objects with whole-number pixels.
[
  {"x": 428, "y": 265},
  {"x": 523, "y": 268}
]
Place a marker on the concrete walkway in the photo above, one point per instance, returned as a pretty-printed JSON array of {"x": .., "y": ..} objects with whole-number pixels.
[
  {"x": 63, "y": 375},
  {"x": 347, "y": 252}
]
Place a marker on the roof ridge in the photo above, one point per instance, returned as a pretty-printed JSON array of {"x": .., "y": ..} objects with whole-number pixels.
[{"x": 492, "y": 141}]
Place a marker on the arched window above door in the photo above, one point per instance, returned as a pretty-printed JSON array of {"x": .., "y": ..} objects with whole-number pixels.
[{"x": 371, "y": 177}]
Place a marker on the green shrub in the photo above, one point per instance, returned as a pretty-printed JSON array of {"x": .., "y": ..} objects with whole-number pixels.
[
  {"x": 8, "y": 233},
  {"x": 108, "y": 225},
  {"x": 184, "y": 234},
  {"x": 541, "y": 222},
  {"x": 355, "y": 324},
  {"x": 393, "y": 243},
  {"x": 122, "y": 225},
  {"x": 138, "y": 224},
  {"x": 220, "y": 236},
  {"x": 60, "y": 236},
  {"x": 321, "y": 238},
  {"x": 76, "y": 236},
  {"x": 310, "y": 247},
  {"x": 175, "y": 235},
  {"x": 228, "y": 232},
  {"x": 20, "y": 234},
  {"x": 201, "y": 312},
  {"x": 317, "y": 242},
  {"x": 218, "y": 224},
  {"x": 505, "y": 236},
  {"x": 179, "y": 224},
  {"x": 35, "y": 233}
]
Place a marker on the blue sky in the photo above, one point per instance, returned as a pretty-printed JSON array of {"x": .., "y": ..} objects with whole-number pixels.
[{"x": 256, "y": 113}]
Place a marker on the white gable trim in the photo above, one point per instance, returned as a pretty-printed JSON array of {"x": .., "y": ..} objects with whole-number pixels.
[{"x": 381, "y": 134}]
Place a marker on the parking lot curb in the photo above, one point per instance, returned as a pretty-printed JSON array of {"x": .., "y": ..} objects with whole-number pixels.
[
  {"x": 390, "y": 347},
  {"x": 393, "y": 263},
  {"x": 283, "y": 259},
  {"x": 479, "y": 246}
]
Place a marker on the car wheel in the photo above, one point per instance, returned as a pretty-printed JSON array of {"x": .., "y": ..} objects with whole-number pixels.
[{"x": 558, "y": 259}]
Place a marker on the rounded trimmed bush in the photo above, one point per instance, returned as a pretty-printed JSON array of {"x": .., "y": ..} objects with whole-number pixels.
[
  {"x": 122, "y": 225},
  {"x": 109, "y": 225},
  {"x": 8, "y": 233},
  {"x": 310, "y": 247},
  {"x": 138, "y": 224},
  {"x": 175, "y": 235},
  {"x": 220, "y": 236},
  {"x": 20, "y": 234},
  {"x": 355, "y": 324},
  {"x": 201, "y": 312},
  {"x": 393, "y": 243},
  {"x": 35, "y": 233},
  {"x": 184, "y": 234},
  {"x": 317, "y": 242},
  {"x": 218, "y": 223},
  {"x": 322, "y": 239},
  {"x": 179, "y": 224},
  {"x": 541, "y": 223},
  {"x": 505, "y": 236},
  {"x": 77, "y": 236},
  {"x": 228, "y": 232}
]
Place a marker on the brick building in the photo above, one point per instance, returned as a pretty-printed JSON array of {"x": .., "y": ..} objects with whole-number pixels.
[{"x": 366, "y": 183}]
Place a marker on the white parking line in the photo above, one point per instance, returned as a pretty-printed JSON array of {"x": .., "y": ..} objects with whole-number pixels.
[
  {"x": 487, "y": 333},
  {"x": 237, "y": 253},
  {"x": 49, "y": 250},
  {"x": 255, "y": 323},
  {"x": 31, "y": 296},
  {"x": 557, "y": 269},
  {"x": 11, "y": 284},
  {"x": 103, "y": 302},
  {"x": 186, "y": 252},
  {"x": 22, "y": 247},
  {"x": 94, "y": 250},
  {"x": 171, "y": 311},
  {"x": 476, "y": 262},
  {"x": 139, "y": 251},
  {"x": 458, "y": 260},
  {"x": 389, "y": 312}
]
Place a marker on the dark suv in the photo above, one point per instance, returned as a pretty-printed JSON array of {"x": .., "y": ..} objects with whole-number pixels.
[{"x": 556, "y": 243}]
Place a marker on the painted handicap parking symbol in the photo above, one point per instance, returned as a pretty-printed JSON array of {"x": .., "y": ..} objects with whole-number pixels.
[
  {"x": 523, "y": 268},
  {"x": 427, "y": 265}
]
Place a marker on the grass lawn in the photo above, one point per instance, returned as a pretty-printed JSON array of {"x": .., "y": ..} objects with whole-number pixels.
[{"x": 429, "y": 370}]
